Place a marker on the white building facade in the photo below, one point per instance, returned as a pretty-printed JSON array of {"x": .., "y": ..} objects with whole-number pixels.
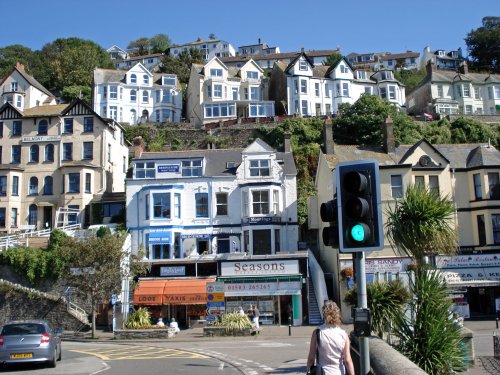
[
  {"x": 137, "y": 95},
  {"x": 209, "y": 48}
]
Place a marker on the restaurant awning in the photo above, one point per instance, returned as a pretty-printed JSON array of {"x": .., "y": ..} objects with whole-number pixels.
[{"x": 172, "y": 292}]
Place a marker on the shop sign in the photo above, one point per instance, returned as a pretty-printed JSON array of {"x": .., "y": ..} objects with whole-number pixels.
[
  {"x": 157, "y": 238},
  {"x": 173, "y": 271},
  {"x": 42, "y": 138},
  {"x": 466, "y": 261},
  {"x": 183, "y": 236},
  {"x": 471, "y": 275},
  {"x": 184, "y": 299},
  {"x": 393, "y": 265},
  {"x": 262, "y": 289},
  {"x": 215, "y": 287},
  {"x": 168, "y": 168},
  {"x": 259, "y": 268},
  {"x": 148, "y": 299}
]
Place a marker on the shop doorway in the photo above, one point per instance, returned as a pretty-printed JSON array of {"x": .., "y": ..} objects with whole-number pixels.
[
  {"x": 286, "y": 310},
  {"x": 481, "y": 302},
  {"x": 203, "y": 247}
]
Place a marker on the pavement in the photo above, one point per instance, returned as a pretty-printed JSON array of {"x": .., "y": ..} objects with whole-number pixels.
[{"x": 485, "y": 363}]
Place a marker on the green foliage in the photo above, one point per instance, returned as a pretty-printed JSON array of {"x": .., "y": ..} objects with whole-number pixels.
[
  {"x": 140, "y": 318},
  {"x": 32, "y": 61},
  {"x": 421, "y": 223},
  {"x": 332, "y": 59},
  {"x": 139, "y": 47},
  {"x": 467, "y": 130},
  {"x": 427, "y": 336},
  {"x": 386, "y": 300},
  {"x": 181, "y": 64},
  {"x": 483, "y": 45},
  {"x": 437, "y": 132},
  {"x": 234, "y": 322},
  {"x": 70, "y": 93},
  {"x": 97, "y": 213},
  {"x": 410, "y": 78},
  {"x": 406, "y": 131},
  {"x": 56, "y": 238},
  {"x": 103, "y": 232},
  {"x": 159, "y": 43}
]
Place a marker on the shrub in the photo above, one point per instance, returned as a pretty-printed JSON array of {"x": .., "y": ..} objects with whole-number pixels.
[
  {"x": 140, "y": 318},
  {"x": 234, "y": 322}
]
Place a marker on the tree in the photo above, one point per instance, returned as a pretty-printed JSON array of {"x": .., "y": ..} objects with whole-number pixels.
[
  {"x": 421, "y": 224},
  {"x": 181, "y": 64},
  {"x": 410, "y": 78},
  {"x": 211, "y": 36},
  {"x": 97, "y": 265},
  {"x": 139, "y": 47},
  {"x": 332, "y": 59},
  {"x": 467, "y": 130},
  {"x": 483, "y": 45},
  {"x": 33, "y": 62},
  {"x": 159, "y": 43}
]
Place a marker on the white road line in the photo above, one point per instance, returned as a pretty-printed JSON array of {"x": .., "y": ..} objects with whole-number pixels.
[{"x": 106, "y": 367}]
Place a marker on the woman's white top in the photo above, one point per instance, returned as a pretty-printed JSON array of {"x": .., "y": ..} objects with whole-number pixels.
[{"x": 332, "y": 340}]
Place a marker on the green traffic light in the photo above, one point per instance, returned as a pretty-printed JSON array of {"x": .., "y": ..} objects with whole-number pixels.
[{"x": 358, "y": 233}]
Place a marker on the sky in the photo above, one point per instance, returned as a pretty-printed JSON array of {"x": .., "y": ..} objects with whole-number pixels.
[{"x": 361, "y": 26}]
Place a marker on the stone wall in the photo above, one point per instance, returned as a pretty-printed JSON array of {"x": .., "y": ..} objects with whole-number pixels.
[{"x": 145, "y": 334}]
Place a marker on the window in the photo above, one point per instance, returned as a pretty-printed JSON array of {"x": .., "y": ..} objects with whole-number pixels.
[
  {"x": 169, "y": 81},
  {"x": 1, "y": 128},
  {"x": 420, "y": 181},
  {"x": 3, "y": 186},
  {"x": 43, "y": 127},
  {"x": 252, "y": 75},
  {"x": 49, "y": 152},
  {"x": 466, "y": 90},
  {"x": 191, "y": 168},
  {"x": 133, "y": 78},
  {"x": 88, "y": 183},
  {"x": 276, "y": 202},
  {"x": 105, "y": 92},
  {"x": 33, "y": 186},
  {"x": 215, "y": 72},
  {"x": 2, "y": 217},
  {"x": 34, "y": 154},
  {"x": 245, "y": 93},
  {"x": 302, "y": 65},
  {"x": 235, "y": 93},
  {"x": 88, "y": 124},
  {"x": 497, "y": 92},
  {"x": 259, "y": 168},
  {"x": 345, "y": 89},
  {"x": 217, "y": 91},
  {"x": 68, "y": 126},
  {"x": 440, "y": 91},
  {"x": 73, "y": 217},
  {"x": 17, "y": 128},
  {"x": 478, "y": 194},
  {"x": 67, "y": 151},
  {"x": 177, "y": 205},
  {"x": 316, "y": 89},
  {"x": 201, "y": 200},
  {"x": 15, "y": 185},
  {"x": 48, "y": 185},
  {"x": 368, "y": 90},
  {"x": 397, "y": 186},
  {"x": 481, "y": 230},
  {"x": 109, "y": 152},
  {"x": 296, "y": 85},
  {"x": 327, "y": 91},
  {"x": 303, "y": 86},
  {"x": 434, "y": 184},
  {"x": 494, "y": 185},
  {"x": 161, "y": 206},
  {"x": 260, "y": 202},
  {"x": 145, "y": 79},
  {"x": 344, "y": 69},
  {"x": 304, "y": 107},
  {"x": 145, "y": 170},
  {"x": 73, "y": 183},
  {"x": 16, "y": 154},
  {"x": 13, "y": 218},
  {"x": 13, "y": 86},
  {"x": 254, "y": 93},
  {"x": 133, "y": 95},
  {"x": 383, "y": 93},
  {"x": 113, "y": 92},
  {"x": 476, "y": 93},
  {"x": 392, "y": 92},
  {"x": 361, "y": 74},
  {"x": 386, "y": 75},
  {"x": 88, "y": 150},
  {"x": 146, "y": 206},
  {"x": 468, "y": 109},
  {"x": 495, "y": 220},
  {"x": 145, "y": 96},
  {"x": 221, "y": 203},
  {"x": 277, "y": 246},
  {"x": 167, "y": 97}
]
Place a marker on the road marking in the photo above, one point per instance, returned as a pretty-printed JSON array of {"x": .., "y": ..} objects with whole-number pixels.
[
  {"x": 106, "y": 368},
  {"x": 125, "y": 353}
]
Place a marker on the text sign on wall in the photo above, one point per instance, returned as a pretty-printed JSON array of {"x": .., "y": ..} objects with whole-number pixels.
[
  {"x": 42, "y": 138},
  {"x": 263, "y": 288},
  {"x": 265, "y": 267},
  {"x": 173, "y": 271},
  {"x": 466, "y": 261},
  {"x": 160, "y": 238},
  {"x": 168, "y": 168}
]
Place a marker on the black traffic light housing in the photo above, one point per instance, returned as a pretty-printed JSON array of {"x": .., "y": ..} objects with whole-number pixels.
[
  {"x": 359, "y": 211},
  {"x": 329, "y": 213}
]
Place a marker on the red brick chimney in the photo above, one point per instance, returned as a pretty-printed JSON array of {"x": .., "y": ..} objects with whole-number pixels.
[{"x": 19, "y": 65}]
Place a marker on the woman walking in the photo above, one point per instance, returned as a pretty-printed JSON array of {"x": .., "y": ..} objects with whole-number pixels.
[{"x": 331, "y": 344}]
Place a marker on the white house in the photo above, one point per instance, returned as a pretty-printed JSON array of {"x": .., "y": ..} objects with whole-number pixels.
[
  {"x": 302, "y": 88},
  {"x": 137, "y": 95},
  {"x": 117, "y": 53},
  {"x": 257, "y": 49},
  {"x": 150, "y": 62},
  {"x": 449, "y": 60},
  {"x": 209, "y": 48},
  {"x": 217, "y": 92},
  {"x": 406, "y": 61},
  {"x": 23, "y": 91}
]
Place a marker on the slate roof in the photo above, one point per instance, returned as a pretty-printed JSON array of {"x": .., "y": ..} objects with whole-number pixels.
[
  {"x": 118, "y": 75},
  {"x": 404, "y": 55},
  {"x": 45, "y": 110},
  {"x": 460, "y": 156},
  {"x": 280, "y": 56},
  {"x": 216, "y": 160}
]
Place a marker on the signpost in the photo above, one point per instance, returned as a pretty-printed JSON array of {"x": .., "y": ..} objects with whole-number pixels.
[{"x": 215, "y": 301}]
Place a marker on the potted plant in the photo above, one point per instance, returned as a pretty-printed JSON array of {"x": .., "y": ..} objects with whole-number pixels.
[{"x": 347, "y": 273}]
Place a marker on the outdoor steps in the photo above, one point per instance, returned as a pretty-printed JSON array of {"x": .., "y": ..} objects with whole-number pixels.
[{"x": 314, "y": 313}]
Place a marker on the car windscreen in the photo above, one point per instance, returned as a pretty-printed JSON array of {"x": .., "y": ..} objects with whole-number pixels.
[{"x": 22, "y": 329}]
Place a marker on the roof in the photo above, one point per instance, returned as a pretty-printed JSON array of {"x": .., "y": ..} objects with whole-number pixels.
[
  {"x": 118, "y": 75},
  {"x": 459, "y": 155},
  {"x": 281, "y": 56},
  {"x": 31, "y": 80},
  {"x": 45, "y": 110},
  {"x": 404, "y": 55},
  {"x": 201, "y": 41},
  {"x": 216, "y": 160}
]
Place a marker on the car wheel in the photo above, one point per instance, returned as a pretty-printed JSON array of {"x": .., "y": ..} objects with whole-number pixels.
[
  {"x": 60, "y": 354},
  {"x": 52, "y": 362}
]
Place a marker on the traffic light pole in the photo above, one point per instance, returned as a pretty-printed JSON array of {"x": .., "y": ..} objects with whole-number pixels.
[{"x": 364, "y": 350}]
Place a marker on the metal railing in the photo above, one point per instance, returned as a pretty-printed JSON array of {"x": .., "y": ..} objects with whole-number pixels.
[{"x": 22, "y": 238}]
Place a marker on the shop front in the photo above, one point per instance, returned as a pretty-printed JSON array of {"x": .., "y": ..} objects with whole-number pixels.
[
  {"x": 274, "y": 286},
  {"x": 182, "y": 299}
]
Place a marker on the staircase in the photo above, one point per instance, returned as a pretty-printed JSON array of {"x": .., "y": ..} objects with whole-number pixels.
[{"x": 314, "y": 313}]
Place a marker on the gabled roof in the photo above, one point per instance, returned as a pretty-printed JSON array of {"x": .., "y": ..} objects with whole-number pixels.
[
  {"x": 334, "y": 66},
  {"x": 412, "y": 149},
  {"x": 31, "y": 80},
  {"x": 118, "y": 75},
  {"x": 294, "y": 61}
]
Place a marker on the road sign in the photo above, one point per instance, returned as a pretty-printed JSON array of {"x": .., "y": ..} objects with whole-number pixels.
[
  {"x": 211, "y": 318},
  {"x": 215, "y": 304},
  {"x": 215, "y": 287},
  {"x": 215, "y": 297}
]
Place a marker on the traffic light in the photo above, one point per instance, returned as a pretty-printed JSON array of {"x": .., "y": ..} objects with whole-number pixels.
[
  {"x": 359, "y": 211},
  {"x": 329, "y": 213}
]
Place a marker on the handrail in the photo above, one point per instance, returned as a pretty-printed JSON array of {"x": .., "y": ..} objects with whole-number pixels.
[{"x": 318, "y": 279}]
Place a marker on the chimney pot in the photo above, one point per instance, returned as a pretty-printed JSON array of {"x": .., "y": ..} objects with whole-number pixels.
[{"x": 390, "y": 143}]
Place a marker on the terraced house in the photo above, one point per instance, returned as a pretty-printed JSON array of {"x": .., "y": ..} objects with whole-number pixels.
[{"x": 57, "y": 157}]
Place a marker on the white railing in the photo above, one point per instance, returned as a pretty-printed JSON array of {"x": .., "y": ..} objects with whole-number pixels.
[{"x": 78, "y": 312}]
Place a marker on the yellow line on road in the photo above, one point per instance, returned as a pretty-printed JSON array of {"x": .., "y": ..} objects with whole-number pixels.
[{"x": 124, "y": 353}]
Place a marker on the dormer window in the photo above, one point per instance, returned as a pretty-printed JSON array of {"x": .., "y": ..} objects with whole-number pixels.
[
  {"x": 386, "y": 75},
  {"x": 169, "y": 81},
  {"x": 259, "y": 168},
  {"x": 361, "y": 74},
  {"x": 133, "y": 78},
  {"x": 440, "y": 52},
  {"x": 191, "y": 168},
  {"x": 230, "y": 164},
  {"x": 215, "y": 72},
  {"x": 145, "y": 79},
  {"x": 302, "y": 65},
  {"x": 344, "y": 69},
  {"x": 252, "y": 75},
  {"x": 13, "y": 86}
]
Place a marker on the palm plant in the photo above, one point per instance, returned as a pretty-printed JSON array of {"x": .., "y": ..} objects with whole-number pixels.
[
  {"x": 421, "y": 224},
  {"x": 234, "y": 322},
  {"x": 139, "y": 318},
  {"x": 427, "y": 336},
  {"x": 385, "y": 301}
]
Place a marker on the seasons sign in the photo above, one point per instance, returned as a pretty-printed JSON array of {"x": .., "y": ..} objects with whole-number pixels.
[{"x": 259, "y": 268}]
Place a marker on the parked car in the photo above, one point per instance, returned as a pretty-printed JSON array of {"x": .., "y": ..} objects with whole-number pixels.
[{"x": 25, "y": 341}]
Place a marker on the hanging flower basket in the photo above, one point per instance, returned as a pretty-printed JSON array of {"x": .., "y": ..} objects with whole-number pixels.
[
  {"x": 411, "y": 267},
  {"x": 347, "y": 273}
]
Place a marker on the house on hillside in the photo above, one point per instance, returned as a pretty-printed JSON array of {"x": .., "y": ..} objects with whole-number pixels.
[
  {"x": 300, "y": 87},
  {"x": 400, "y": 61},
  {"x": 443, "y": 60},
  {"x": 218, "y": 93},
  {"x": 258, "y": 49},
  {"x": 137, "y": 95},
  {"x": 226, "y": 215},
  {"x": 150, "y": 62},
  {"x": 55, "y": 158},
  {"x": 467, "y": 173},
  {"x": 446, "y": 92},
  {"x": 208, "y": 48},
  {"x": 117, "y": 53},
  {"x": 23, "y": 91}
]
